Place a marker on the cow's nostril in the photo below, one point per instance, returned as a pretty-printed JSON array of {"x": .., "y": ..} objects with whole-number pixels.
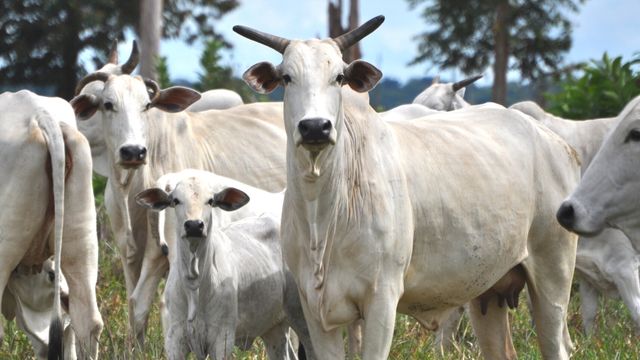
[
  {"x": 566, "y": 215},
  {"x": 326, "y": 126}
]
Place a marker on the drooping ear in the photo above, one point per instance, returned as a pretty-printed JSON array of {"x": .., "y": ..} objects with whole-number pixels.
[
  {"x": 85, "y": 106},
  {"x": 154, "y": 199},
  {"x": 230, "y": 199},
  {"x": 262, "y": 77},
  {"x": 175, "y": 99},
  {"x": 362, "y": 76}
]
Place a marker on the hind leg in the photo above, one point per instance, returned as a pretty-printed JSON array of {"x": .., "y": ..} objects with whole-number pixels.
[
  {"x": 276, "y": 343},
  {"x": 492, "y": 330},
  {"x": 80, "y": 250}
]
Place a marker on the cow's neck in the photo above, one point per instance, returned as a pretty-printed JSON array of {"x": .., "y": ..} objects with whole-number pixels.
[{"x": 336, "y": 201}]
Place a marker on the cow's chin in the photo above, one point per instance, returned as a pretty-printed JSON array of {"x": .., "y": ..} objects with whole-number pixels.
[{"x": 131, "y": 165}]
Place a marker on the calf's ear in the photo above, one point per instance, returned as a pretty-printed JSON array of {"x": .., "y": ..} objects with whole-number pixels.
[
  {"x": 84, "y": 106},
  {"x": 362, "y": 76},
  {"x": 154, "y": 199},
  {"x": 175, "y": 99},
  {"x": 230, "y": 199},
  {"x": 262, "y": 77}
]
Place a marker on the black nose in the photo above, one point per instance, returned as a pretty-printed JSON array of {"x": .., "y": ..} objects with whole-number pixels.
[
  {"x": 194, "y": 228},
  {"x": 133, "y": 153},
  {"x": 314, "y": 130},
  {"x": 566, "y": 215}
]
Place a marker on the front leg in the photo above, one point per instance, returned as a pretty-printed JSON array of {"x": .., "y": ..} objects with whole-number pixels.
[
  {"x": 327, "y": 344},
  {"x": 379, "y": 322}
]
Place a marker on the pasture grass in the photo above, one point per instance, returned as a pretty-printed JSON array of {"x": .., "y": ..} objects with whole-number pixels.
[{"x": 614, "y": 337}]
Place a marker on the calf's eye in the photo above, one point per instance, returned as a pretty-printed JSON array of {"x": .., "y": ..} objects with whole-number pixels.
[
  {"x": 108, "y": 106},
  {"x": 286, "y": 79},
  {"x": 633, "y": 135}
]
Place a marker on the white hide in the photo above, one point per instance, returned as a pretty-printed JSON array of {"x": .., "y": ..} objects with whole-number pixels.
[
  {"x": 216, "y": 99},
  {"x": 31, "y": 127}
]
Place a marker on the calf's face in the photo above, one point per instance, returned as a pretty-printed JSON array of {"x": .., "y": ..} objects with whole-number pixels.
[{"x": 195, "y": 203}]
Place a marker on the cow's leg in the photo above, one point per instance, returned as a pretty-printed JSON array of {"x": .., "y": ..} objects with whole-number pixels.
[
  {"x": 627, "y": 281},
  {"x": 446, "y": 332},
  {"x": 549, "y": 270},
  {"x": 354, "y": 336},
  {"x": 328, "y": 343},
  {"x": 175, "y": 344},
  {"x": 276, "y": 342},
  {"x": 588, "y": 305},
  {"x": 492, "y": 330},
  {"x": 379, "y": 321},
  {"x": 80, "y": 248}
]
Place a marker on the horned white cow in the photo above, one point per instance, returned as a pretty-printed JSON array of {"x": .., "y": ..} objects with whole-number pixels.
[
  {"x": 29, "y": 299},
  {"x": 213, "y": 298},
  {"x": 48, "y": 200},
  {"x": 144, "y": 138},
  {"x": 216, "y": 99},
  {"x": 419, "y": 216},
  {"x": 605, "y": 263}
]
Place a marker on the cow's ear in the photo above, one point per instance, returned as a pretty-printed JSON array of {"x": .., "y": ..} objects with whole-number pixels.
[
  {"x": 230, "y": 199},
  {"x": 262, "y": 77},
  {"x": 175, "y": 99},
  {"x": 85, "y": 106},
  {"x": 362, "y": 76},
  {"x": 154, "y": 199}
]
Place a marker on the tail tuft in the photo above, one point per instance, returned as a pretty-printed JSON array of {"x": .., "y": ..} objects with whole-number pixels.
[{"x": 56, "y": 333}]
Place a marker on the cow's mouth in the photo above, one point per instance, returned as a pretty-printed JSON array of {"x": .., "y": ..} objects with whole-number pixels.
[{"x": 131, "y": 164}]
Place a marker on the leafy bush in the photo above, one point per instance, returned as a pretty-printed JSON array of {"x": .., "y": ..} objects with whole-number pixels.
[{"x": 602, "y": 90}]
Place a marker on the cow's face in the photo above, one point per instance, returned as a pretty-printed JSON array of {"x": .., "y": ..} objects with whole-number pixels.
[
  {"x": 123, "y": 106},
  {"x": 609, "y": 192},
  {"x": 195, "y": 203},
  {"x": 312, "y": 73}
]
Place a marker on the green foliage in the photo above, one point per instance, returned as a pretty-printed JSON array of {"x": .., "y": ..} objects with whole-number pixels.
[
  {"x": 215, "y": 75},
  {"x": 603, "y": 89},
  {"x": 163, "y": 72}
]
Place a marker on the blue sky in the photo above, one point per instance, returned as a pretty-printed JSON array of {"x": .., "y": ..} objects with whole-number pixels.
[{"x": 600, "y": 25}]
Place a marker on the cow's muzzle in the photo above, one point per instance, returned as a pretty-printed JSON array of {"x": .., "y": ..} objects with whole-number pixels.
[
  {"x": 315, "y": 132},
  {"x": 573, "y": 218},
  {"x": 194, "y": 228},
  {"x": 133, "y": 156}
]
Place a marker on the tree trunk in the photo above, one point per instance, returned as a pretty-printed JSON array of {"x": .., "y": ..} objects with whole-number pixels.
[
  {"x": 149, "y": 29},
  {"x": 70, "y": 51},
  {"x": 501, "y": 51},
  {"x": 336, "y": 29}
]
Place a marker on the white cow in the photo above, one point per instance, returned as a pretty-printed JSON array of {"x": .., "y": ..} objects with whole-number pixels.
[
  {"x": 144, "y": 138},
  {"x": 445, "y": 96},
  {"x": 227, "y": 283},
  {"x": 419, "y": 216},
  {"x": 47, "y": 200},
  {"x": 216, "y": 99},
  {"x": 29, "y": 299},
  {"x": 607, "y": 262},
  {"x": 609, "y": 191}
]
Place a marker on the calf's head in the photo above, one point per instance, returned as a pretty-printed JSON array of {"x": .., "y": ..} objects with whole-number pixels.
[
  {"x": 312, "y": 73},
  {"x": 195, "y": 203}
]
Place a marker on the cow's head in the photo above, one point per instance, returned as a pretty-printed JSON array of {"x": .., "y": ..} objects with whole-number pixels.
[
  {"x": 445, "y": 96},
  {"x": 124, "y": 105},
  {"x": 312, "y": 73},
  {"x": 609, "y": 192},
  {"x": 194, "y": 200}
]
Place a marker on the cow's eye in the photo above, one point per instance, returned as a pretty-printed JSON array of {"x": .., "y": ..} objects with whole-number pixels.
[
  {"x": 108, "y": 106},
  {"x": 633, "y": 135},
  {"x": 286, "y": 79},
  {"x": 176, "y": 202},
  {"x": 211, "y": 202},
  {"x": 52, "y": 275},
  {"x": 340, "y": 79}
]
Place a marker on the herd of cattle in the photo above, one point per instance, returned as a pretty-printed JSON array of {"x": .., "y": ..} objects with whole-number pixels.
[{"x": 421, "y": 209}]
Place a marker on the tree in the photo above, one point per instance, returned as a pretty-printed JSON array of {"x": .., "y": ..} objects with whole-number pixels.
[
  {"x": 336, "y": 29},
  {"x": 216, "y": 75},
  {"x": 42, "y": 39},
  {"x": 603, "y": 89},
  {"x": 150, "y": 32},
  {"x": 529, "y": 36}
]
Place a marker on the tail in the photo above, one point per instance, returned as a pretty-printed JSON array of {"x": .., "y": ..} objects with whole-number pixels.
[{"x": 55, "y": 144}]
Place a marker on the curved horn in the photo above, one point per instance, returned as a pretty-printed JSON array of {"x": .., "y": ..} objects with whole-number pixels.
[
  {"x": 134, "y": 58},
  {"x": 345, "y": 41},
  {"x": 275, "y": 42},
  {"x": 466, "y": 82},
  {"x": 152, "y": 88},
  {"x": 113, "y": 54},
  {"x": 97, "y": 76}
]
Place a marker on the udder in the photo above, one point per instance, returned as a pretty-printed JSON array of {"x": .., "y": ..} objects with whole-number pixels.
[{"x": 507, "y": 289}]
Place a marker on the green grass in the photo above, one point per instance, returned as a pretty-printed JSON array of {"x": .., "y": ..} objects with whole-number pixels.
[{"x": 614, "y": 337}]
